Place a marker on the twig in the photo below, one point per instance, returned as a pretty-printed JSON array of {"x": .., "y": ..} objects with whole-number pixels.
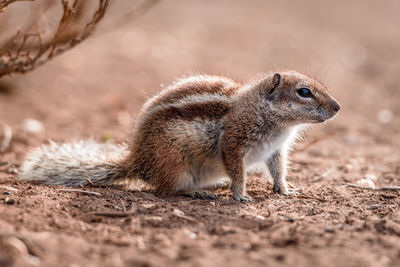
[
  {"x": 123, "y": 205},
  {"x": 332, "y": 228},
  {"x": 319, "y": 177},
  {"x": 113, "y": 214},
  {"x": 79, "y": 191},
  {"x": 7, "y": 137},
  {"x": 291, "y": 185},
  {"x": 9, "y": 188},
  {"x": 310, "y": 197},
  {"x": 5, "y": 3},
  {"x": 18, "y": 58},
  {"x": 382, "y": 188},
  {"x": 180, "y": 214},
  {"x": 291, "y": 219},
  {"x": 89, "y": 182}
]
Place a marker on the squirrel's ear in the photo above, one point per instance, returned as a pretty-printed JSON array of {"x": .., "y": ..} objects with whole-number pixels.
[{"x": 276, "y": 80}]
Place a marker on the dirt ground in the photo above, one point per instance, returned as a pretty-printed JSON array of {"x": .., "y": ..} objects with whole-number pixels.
[{"x": 95, "y": 91}]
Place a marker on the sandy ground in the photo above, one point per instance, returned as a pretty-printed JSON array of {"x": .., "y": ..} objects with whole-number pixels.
[{"x": 95, "y": 91}]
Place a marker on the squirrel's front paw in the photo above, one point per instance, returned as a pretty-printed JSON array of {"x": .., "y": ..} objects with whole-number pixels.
[
  {"x": 242, "y": 198},
  {"x": 283, "y": 190}
]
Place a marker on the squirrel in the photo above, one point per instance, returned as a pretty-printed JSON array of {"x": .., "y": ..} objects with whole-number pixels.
[{"x": 194, "y": 133}]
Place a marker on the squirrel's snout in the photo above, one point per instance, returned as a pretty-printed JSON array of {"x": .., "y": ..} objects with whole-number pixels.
[
  {"x": 335, "y": 106},
  {"x": 329, "y": 111}
]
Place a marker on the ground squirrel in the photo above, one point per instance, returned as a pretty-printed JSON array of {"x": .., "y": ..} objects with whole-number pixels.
[{"x": 194, "y": 133}]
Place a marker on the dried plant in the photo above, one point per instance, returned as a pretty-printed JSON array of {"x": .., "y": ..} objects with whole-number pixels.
[
  {"x": 16, "y": 56},
  {"x": 5, "y": 3}
]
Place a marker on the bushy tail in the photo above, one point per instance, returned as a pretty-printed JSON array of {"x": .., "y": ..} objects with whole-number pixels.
[{"x": 75, "y": 164}]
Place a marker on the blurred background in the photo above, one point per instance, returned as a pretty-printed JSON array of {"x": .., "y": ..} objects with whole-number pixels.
[
  {"x": 351, "y": 46},
  {"x": 97, "y": 88}
]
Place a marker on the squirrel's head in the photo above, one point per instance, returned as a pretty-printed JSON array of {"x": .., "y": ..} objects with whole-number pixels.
[{"x": 299, "y": 98}]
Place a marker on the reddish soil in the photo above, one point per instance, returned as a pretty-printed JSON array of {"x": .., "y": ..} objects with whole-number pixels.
[{"x": 88, "y": 93}]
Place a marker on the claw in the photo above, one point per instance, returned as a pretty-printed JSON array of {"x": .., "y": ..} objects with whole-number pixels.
[
  {"x": 242, "y": 198},
  {"x": 284, "y": 190},
  {"x": 293, "y": 191},
  {"x": 204, "y": 195}
]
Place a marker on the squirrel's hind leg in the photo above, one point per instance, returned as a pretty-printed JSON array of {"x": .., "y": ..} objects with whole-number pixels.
[
  {"x": 203, "y": 193},
  {"x": 189, "y": 187},
  {"x": 198, "y": 194}
]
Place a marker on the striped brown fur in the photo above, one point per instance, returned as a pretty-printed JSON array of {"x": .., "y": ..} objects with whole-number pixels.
[{"x": 204, "y": 128}]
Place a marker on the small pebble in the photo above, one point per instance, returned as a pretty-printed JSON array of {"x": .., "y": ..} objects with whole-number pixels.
[
  {"x": 12, "y": 170},
  {"x": 385, "y": 116},
  {"x": 154, "y": 220},
  {"x": 149, "y": 206},
  {"x": 9, "y": 201},
  {"x": 260, "y": 217},
  {"x": 189, "y": 233},
  {"x": 32, "y": 126},
  {"x": 178, "y": 213},
  {"x": 366, "y": 183}
]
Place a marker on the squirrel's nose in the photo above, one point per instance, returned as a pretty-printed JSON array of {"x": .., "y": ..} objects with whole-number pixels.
[{"x": 335, "y": 106}]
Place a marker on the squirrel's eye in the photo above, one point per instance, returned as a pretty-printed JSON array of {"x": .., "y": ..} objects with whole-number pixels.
[{"x": 304, "y": 92}]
